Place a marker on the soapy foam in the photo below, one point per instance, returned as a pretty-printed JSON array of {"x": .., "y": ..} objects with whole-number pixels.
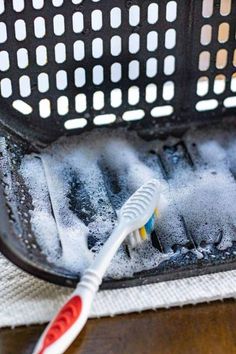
[
  {"x": 43, "y": 223},
  {"x": 202, "y": 198}
]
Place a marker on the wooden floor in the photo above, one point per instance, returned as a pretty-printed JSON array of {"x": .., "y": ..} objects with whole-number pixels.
[{"x": 201, "y": 329}]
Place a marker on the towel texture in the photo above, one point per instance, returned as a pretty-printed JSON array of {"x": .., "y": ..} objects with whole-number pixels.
[{"x": 27, "y": 300}]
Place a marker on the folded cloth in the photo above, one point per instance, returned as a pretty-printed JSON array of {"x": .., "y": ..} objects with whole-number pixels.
[{"x": 27, "y": 300}]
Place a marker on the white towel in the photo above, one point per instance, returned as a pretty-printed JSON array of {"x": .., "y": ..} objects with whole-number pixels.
[{"x": 27, "y": 300}]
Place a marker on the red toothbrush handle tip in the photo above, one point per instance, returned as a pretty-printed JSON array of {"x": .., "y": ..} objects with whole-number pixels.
[{"x": 64, "y": 320}]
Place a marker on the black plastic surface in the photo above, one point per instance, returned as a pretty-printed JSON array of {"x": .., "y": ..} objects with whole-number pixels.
[{"x": 183, "y": 50}]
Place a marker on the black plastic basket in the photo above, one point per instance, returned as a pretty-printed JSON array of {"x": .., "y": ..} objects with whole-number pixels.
[{"x": 56, "y": 56}]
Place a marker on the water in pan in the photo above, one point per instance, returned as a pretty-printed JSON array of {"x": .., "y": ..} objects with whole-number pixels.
[{"x": 78, "y": 184}]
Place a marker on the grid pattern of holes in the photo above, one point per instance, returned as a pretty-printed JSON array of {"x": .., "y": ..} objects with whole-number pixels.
[
  {"x": 215, "y": 84},
  {"x": 89, "y": 64},
  {"x": 77, "y": 81}
]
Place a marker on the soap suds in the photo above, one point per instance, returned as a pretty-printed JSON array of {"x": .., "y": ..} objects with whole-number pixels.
[{"x": 78, "y": 184}]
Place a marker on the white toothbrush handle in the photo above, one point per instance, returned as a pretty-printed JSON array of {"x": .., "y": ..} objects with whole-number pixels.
[
  {"x": 67, "y": 324},
  {"x": 70, "y": 320}
]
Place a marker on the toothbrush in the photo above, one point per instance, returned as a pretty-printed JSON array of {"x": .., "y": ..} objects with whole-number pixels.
[{"x": 140, "y": 209}]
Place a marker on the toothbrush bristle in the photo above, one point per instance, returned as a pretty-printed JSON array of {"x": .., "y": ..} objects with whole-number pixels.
[{"x": 144, "y": 232}]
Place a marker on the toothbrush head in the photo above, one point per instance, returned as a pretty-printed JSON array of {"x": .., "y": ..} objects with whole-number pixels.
[{"x": 140, "y": 212}]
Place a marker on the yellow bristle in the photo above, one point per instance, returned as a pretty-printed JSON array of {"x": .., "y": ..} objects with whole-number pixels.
[
  {"x": 156, "y": 211},
  {"x": 143, "y": 233}
]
